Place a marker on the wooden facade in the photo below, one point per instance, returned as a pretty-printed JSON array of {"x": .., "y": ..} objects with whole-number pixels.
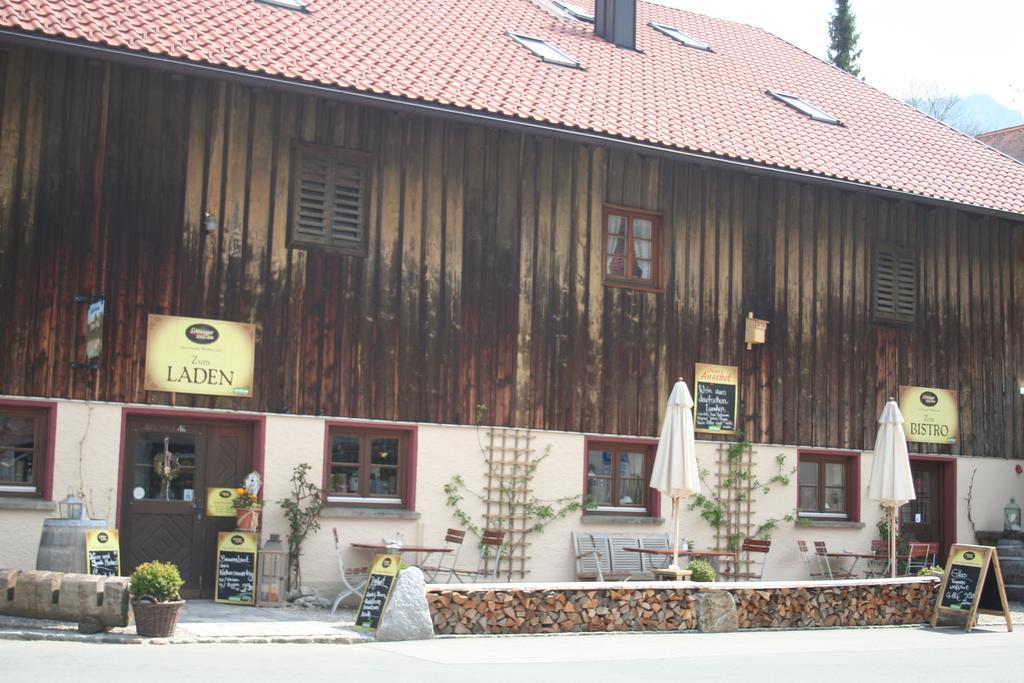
[{"x": 483, "y": 284}]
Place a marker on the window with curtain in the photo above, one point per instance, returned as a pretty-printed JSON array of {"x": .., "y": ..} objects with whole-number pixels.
[
  {"x": 618, "y": 478},
  {"x": 631, "y": 247}
]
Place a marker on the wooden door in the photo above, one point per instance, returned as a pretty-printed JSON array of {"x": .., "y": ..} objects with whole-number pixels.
[
  {"x": 921, "y": 520},
  {"x": 167, "y": 521}
]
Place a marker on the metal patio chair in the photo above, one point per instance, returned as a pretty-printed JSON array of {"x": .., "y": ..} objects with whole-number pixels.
[
  {"x": 878, "y": 566},
  {"x": 352, "y": 578},
  {"x": 918, "y": 555},
  {"x": 446, "y": 562},
  {"x": 809, "y": 563},
  {"x": 756, "y": 551},
  {"x": 492, "y": 543},
  {"x": 821, "y": 551}
]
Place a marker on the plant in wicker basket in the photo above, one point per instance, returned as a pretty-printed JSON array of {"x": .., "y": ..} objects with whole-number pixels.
[{"x": 156, "y": 600}]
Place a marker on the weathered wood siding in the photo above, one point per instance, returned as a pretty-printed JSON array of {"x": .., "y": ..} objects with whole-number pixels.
[{"x": 483, "y": 286}]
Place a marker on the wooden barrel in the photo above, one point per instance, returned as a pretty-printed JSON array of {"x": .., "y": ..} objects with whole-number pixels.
[
  {"x": 1011, "y": 565},
  {"x": 62, "y": 545}
]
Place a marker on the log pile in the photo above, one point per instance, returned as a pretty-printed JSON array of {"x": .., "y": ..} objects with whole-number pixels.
[
  {"x": 874, "y": 605},
  {"x": 643, "y": 608}
]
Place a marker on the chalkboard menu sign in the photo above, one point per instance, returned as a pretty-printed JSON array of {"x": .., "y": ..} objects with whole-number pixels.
[
  {"x": 236, "y": 567},
  {"x": 972, "y": 583},
  {"x": 378, "y": 590},
  {"x": 102, "y": 552},
  {"x": 715, "y": 399}
]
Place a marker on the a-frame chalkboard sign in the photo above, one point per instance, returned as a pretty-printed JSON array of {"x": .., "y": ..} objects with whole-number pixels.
[
  {"x": 972, "y": 585},
  {"x": 378, "y": 590}
]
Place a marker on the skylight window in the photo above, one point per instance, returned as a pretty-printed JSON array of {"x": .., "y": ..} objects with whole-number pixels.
[
  {"x": 545, "y": 50},
  {"x": 805, "y": 107},
  {"x": 287, "y": 4},
  {"x": 680, "y": 36},
  {"x": 573, "y": 11}
]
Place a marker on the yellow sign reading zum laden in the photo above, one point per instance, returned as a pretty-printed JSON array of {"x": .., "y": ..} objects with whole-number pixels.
[
  {"x": 196, "y": 356},
  {"x": 930, "y": 415}
]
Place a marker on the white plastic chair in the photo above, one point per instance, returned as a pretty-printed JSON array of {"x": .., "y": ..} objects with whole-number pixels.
[{"x": 353, "y": 579}]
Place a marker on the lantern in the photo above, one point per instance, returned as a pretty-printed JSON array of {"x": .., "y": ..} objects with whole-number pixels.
[
  {"x": 1011, "y": 516},
  {"x": 273, "y": 565},
  {"x": 71, "y": 507}
]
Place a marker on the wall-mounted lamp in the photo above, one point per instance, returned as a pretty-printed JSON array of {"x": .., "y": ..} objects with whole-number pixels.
[
  {"x": 209, "y": 222},
  {"x": 1022, "y": 390}
]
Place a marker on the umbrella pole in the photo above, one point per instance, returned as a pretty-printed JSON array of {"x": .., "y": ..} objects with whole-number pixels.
[
  {"x": 892, "y": 542},
  {"x": 675, "y": 547}
]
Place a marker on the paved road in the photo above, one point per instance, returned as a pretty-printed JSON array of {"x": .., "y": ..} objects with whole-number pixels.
[{"x": 915, "y": 654}]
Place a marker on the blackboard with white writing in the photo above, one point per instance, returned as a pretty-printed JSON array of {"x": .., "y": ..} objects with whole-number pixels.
[
  {"x": 103, "y": 563},
  {"x": 236, "y": 577},
  {"x": 715, "y": 408},
  {"x": 961, "y": 587}
]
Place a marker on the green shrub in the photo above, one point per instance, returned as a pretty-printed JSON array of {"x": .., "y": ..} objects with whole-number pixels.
[
  {"x": 931, "y": 571},
  {"x": 161, "y": 580},
  {"x": 702, "y": 570}
]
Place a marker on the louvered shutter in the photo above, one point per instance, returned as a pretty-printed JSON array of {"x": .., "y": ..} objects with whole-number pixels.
[
  {"x": 895, "y": 284},
  {"x": 330, "y": 199}
]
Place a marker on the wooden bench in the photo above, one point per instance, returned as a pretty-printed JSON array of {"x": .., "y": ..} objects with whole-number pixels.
[{"x": 600, "y": 556}]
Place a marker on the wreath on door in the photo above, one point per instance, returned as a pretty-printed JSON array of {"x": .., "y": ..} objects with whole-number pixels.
[{"x": 167, "y": 466}]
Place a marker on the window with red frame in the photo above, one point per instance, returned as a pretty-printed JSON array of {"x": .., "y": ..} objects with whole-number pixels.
[
  {"x": 22, "y": 451},
  {"x": 366, "y": 466},
  {"x": 631, "y": 247},
  {"x": 824, "y": 483},
  {"x": 618, "y": 478}
]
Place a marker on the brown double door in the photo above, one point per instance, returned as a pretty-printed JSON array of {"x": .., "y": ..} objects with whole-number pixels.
[{"x": 165, "y": 519}]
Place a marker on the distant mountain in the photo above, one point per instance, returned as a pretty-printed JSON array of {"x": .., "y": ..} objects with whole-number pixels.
[
  {"x": 971, "y": 115},
  {"x": 989, "y": 114}
]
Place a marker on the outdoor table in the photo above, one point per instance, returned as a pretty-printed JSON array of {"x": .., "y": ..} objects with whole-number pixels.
[
  {"x": 856, "y": 557},
  {"x": 427, "y": 551},
  {"x": 711, "y": 555}
]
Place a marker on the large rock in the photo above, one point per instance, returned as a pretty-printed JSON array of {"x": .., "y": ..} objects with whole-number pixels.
[
  {"x": 407, "y": 616},
  {"x": 716, "y": 612}
]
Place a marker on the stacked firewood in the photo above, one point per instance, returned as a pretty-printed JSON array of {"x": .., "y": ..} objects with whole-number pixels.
[
  {"x": 642, "y": 608},
  {"x": 875, "y": 605}
]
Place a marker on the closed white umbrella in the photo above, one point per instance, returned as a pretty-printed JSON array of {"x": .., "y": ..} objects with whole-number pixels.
[
  {"x": 891, "y": 483},
  {"x": 675, "y": 467}
]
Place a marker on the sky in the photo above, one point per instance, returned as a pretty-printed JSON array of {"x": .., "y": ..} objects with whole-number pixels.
[{"x": 927, "y": 46}]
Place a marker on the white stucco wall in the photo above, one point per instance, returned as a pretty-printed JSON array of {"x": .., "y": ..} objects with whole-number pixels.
[{"x": 87, "y": 452}]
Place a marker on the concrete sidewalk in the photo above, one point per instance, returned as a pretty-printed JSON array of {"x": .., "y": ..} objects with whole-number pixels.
[{"x": 204, "y": 621}]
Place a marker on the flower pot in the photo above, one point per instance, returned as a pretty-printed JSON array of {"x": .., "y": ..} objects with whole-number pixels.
[
  {"x": 156, "y": 619},
  {"x": 247, "y": 519}
]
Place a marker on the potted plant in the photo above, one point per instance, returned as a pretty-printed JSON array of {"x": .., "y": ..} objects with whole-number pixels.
[
  {"x": 247, "y": 510},
  {"x": 155, "y": 599},
  {"x": 702, "y": 570}
]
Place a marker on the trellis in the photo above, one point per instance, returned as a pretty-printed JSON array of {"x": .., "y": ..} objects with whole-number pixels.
[
  {"x": 734, "y": 489},
  {"x": 508, "y": 492}
]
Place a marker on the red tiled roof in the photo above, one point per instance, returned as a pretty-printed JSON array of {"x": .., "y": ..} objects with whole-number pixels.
[{"x": 456, "y": 53}]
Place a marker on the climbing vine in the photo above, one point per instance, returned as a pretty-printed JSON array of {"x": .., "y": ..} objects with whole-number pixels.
[
  {"x": 507, "y": 498},
  {"x": 726, "y": 507}
]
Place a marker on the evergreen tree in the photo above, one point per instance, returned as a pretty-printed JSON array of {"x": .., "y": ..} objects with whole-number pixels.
[{"x": 843, "y": 36}]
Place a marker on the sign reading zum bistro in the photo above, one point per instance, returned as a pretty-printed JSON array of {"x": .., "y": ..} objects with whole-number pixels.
[
  {"x": 196, "y": 356},
  {"x": 930, "y": 415}
]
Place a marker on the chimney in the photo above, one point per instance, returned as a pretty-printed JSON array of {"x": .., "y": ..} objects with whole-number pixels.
[{"x": 615, "y": 21}]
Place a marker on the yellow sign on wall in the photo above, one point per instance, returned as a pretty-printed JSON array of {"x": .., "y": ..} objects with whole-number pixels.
[
  {"x": 196, "y": 356},
  {"x": 930, "y": 415},
  {"x": 220, "y": 502}
]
